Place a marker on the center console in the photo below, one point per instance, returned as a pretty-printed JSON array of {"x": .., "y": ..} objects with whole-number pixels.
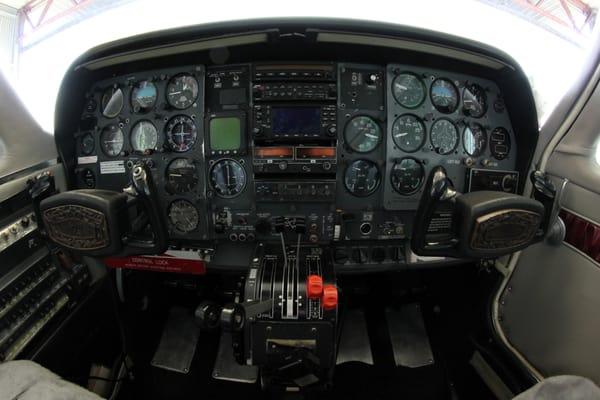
[{"x": 290, "y": 312}]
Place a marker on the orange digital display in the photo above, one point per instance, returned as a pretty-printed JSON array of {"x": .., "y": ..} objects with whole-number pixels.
[
  {"x": 274, "y": 152},
  {"x": 315, "y": 152}
]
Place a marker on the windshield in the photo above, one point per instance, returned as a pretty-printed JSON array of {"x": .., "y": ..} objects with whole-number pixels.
[{"x": 39, "y": 39}]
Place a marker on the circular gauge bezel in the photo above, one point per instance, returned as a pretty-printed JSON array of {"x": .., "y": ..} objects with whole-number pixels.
[
  {"x": 507, "y": 142},
  {"x": 131, "y": 140},
  {"x": 442, "y": 108},
  {"x": 212, "y": 183},
  {"x": 485, "y": 104},
  {"x": 187, "y": 203},
  {"x": 104, "y": 131},
  {"x": 422, "y": 168},
  {"x": 420, "y": 121},
  {"x": 464, "y": 141},
  {"x": 457, "y": 142},
  {"x": 137, "y": 108},
  {"x": 104, "y": 102},
  {"x": 188, "y": 103},
  {"x": 174, "y": 188},
  {"x": 170, "y": 125},
  {"x": 372, "y": 164},
  {"x": 423, "y": 87},
  {"x": 82, "y": 146},
  {"x": 375, "y": 146}
]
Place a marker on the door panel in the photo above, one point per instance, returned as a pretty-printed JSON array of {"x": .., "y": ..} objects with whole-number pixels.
[{"x": 547, "y": 309}]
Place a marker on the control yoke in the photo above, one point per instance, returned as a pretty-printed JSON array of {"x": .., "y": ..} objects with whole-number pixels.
[
  {"x": 484, "y": 224},
  {"x": 104, "y": 223}
]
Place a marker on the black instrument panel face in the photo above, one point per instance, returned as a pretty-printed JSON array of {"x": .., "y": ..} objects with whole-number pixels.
[
  {"x": 443, "y": 118},
  {"x": 156, "y": 118},
  {"x": 233, "y": 147}
]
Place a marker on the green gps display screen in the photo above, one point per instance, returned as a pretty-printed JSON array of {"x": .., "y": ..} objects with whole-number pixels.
[{"x": 225, "y": 133}]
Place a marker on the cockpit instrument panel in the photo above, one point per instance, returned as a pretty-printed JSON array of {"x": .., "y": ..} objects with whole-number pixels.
[
  {"x": 340, "y": 149},
  {"x": 441, "y": 118},
  {"x": 155, "y": 118}
]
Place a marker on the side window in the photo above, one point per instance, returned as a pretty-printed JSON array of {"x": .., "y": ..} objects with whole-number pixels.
[{"x": 23, "y": 143}]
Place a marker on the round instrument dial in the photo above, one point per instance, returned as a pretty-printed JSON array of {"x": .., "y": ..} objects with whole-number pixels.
[
  {"x": 362, "y": 178},
  {"x": 181, "y": 133},
  {"x": 112, "y": 102},
  {"x": 408, "y": 132},
  {"x": 407, "y": 176},
  {"x": 500, "y": 143},
  {"x": 362, "y": 134},
  {"x": 444, "y": 136},
  {"x": 143, "y": 96},
  {"x": 474, "y": 100},
  {"x": 144, "y": 136},
  {"x": 87, "y": 144},
  {"x": 182, "y": 176},
  {"x": 182, "y": 91},
  {"x": 228, "y": 178},
  {"x": 444, "y": 95},
  {"x": 183, "y": 215},
  {"x": 111, "y": 140},
  {"x": 474, "y": 139},
  {"x": 409, "y": 90}
]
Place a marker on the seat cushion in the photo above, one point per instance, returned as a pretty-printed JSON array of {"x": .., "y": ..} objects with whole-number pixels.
[
  {"x": 26, "y": 380},
  {"x": 562, "y": 387}
]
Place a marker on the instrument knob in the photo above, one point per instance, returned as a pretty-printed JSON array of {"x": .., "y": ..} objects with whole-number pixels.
[
  {"x": 207, "y": 315},
  {"x": 372, "y": 78},
  {"x": 331, "y": 130}
]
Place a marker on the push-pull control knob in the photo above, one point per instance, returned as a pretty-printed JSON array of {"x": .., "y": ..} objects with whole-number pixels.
[
  {"x": 234, "y": 315},
  {"x": 207, "y": 315},
  {"x": 330, "y": 297},
  {"x": 314, "y": 287}
]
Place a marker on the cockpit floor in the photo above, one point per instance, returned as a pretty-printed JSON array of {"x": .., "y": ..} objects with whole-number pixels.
[{"x": 447, "y": 312}]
